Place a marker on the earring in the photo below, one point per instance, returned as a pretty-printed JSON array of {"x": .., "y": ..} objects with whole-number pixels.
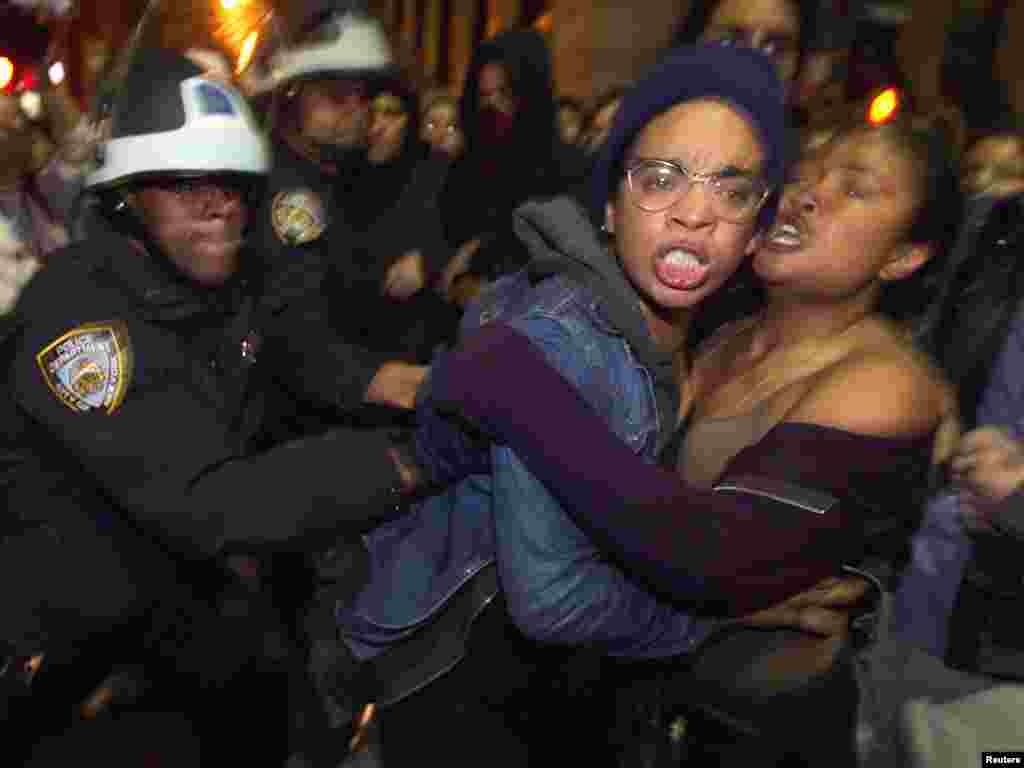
[{"x": 121, "y": 205}]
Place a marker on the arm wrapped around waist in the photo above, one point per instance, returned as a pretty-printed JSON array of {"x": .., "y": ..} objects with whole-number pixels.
[{"x": 732, "y": 551}]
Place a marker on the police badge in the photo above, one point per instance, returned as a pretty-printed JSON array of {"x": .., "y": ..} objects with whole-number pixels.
[
  {"x": 89, "y": 367},
  {"x": 298, "y": 216}
]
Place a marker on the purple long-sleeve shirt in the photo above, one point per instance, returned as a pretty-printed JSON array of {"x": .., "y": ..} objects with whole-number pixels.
[{"x": 734, "y": 552}]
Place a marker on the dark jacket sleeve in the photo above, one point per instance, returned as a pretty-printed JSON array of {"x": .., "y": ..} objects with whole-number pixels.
[
  {"x": 168, "y": 458},
  {"x": 313, "y": 361},
  {"x": 733, "y": 551},
  {"x": 423, "y": 198},
  {"x": 1008, "y": 516}
]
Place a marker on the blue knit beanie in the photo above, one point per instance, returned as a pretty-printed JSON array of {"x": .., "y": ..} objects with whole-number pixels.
[{"x": 741, "y": 77}]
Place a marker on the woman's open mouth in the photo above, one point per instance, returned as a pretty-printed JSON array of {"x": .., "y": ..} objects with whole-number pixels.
[{"x": 681, "y": 269}]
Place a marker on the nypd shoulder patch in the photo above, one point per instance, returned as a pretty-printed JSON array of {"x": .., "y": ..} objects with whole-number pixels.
[
  {"x": 298, "y": 216},
  {"x": 90, "y": 367}
]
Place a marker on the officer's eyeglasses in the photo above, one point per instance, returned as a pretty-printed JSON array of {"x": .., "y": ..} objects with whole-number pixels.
[{"x": 656, "y": 185}]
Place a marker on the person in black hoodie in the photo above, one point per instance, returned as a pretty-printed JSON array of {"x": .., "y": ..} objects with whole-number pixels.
[
  {"x": 513, "y": 153},
  {"x": 399, "y": 247}
]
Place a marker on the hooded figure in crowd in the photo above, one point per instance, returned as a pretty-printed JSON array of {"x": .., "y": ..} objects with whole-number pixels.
[
  {"x": 513, "y": 153},
  {"x": 399, "y": 246}
]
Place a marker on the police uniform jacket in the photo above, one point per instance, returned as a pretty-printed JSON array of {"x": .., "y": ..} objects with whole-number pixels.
[
  {"x": 303, "y": 240},
  {"x": 134, "y": 391}
]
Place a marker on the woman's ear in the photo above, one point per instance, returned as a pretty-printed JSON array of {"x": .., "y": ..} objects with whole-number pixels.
[
  {"x": 907, "y": 260},
  {"x": 609, "y": 218}
]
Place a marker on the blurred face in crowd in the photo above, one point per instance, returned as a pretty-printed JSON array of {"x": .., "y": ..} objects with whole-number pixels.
[
  {"x": 498, "y": 105},
  {"x": 16, "y": 138},
  {"x": 570, "y": 121},
  {"x": 197, "y": 222},
  {"x": 600, "y": 125},
  {"x": 334, "y": 112},
  {"x": 771, "y": 26},
  {"x": 496, "y": 89},
  {"x": 677, "y": 256},
  {"x": 994, "y": 165},
  {"x": 95, "y": 55},
  {"x": 440, "y": 128},
  {"x": 388, "y": 123},
  {"x": 845, "y": 218}
]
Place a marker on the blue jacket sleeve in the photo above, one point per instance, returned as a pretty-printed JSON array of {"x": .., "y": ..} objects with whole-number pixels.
[{"x": 559, "y": 587}]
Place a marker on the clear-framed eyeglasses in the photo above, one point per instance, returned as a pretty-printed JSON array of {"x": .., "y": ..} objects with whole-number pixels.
[{"x": 656, "y": 185}]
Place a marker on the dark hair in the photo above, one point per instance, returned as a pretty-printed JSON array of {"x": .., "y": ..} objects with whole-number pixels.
[
  {"x": 568, "y": 103},
  {"x": 696, "y": 22},
  {"x": 936, "y": 221},
  {"x": 912, "y": 300},
  {"x": 1009, "y": 124},
  {"x": 982, "y": 295},
  {"x": 526, "y": 58},
  {"x": 967, "y": 71}
]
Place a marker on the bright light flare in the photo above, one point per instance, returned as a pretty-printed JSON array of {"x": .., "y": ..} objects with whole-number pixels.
[
  {"x": 230, "y": 5},
  {"x": 6, "y": 71},
  {"x": 884, "y": 107},
  {"x": 56, "y": 72},
  {"x": 31, "y": 104},
  {"x": 245, "y": 54},
  {"x": 358, "y": 740}
]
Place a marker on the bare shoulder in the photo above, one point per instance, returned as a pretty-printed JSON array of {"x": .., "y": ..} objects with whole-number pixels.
[{"x": 887, "y": 389}]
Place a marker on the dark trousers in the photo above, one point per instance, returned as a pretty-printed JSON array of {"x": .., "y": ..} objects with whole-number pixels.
[{"x": 508, "y": 702}]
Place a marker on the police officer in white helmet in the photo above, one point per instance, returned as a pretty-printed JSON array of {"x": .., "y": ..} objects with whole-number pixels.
[
  {"x": 317, "y": 91},
  {"x": 138, "y": 389}
]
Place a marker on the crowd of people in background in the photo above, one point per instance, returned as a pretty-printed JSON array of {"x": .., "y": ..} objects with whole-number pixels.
[{"x": 358, "y": 420}]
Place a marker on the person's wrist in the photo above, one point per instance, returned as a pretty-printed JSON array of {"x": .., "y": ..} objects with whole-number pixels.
[{"x": 396, "y": 384}]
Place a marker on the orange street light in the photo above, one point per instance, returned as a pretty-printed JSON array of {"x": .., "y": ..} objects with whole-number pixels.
[{"x": 884, "y": 107}]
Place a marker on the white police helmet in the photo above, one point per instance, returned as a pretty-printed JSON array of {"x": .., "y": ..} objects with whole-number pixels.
[
  {"x": 343, "y": 42},
  {"x": 168, "y": 119}
]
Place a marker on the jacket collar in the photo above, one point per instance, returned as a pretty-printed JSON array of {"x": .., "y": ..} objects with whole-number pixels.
[{"x": 159, "y": 288}]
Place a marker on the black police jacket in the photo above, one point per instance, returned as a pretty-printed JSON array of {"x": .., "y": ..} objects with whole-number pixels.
[
  {"x": 305, "y": 247},
  {"x": 135, "y": 392}
]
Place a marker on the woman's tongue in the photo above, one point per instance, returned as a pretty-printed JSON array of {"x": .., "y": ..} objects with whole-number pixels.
[{"x": 681, "y": 270}]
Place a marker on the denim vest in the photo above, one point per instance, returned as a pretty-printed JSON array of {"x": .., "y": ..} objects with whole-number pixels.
[{"x": 557, "y": 584}]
